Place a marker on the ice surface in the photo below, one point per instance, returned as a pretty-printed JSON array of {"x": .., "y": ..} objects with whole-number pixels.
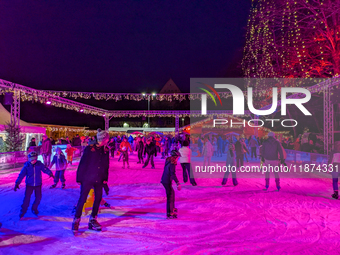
[{"x": 300, "y": 219}]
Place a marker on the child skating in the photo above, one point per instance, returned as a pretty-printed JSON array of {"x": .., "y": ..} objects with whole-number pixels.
[
  {"x": 124, "y": 148},
  {"x": 32, "y": 171},
  {"x": 60, "y": 163},
  {"x": 69, "y": 152},
  {"x": 169, "y": 175}
]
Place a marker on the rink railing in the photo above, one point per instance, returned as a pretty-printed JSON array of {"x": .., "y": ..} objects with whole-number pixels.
[{"x": 9, "y": 160}]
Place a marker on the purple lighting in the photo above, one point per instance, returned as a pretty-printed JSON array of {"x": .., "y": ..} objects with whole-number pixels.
[
  {"x": 81, "y": 110},
  {"x": 48, "y": 102}
]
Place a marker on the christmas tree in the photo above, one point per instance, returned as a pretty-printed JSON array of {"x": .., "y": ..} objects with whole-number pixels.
[{"x": 14, "y": 138}]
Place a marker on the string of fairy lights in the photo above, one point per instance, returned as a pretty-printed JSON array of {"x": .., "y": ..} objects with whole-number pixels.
[{"x": 292, "y": 39}]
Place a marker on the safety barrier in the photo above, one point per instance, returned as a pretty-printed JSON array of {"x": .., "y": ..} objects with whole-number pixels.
[{"x": 9, "y": 160}]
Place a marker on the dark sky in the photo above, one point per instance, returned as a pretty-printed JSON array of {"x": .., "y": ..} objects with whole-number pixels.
[{"x": 119, "y": 46}]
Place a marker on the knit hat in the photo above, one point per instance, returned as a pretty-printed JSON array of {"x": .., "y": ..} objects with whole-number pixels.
[
  {"x": 271, "y": 134},
  {"x": 32, "y": 156},
  {"x": 101, "y": 135}
]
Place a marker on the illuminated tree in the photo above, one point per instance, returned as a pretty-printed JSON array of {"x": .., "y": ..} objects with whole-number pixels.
[{"x": 293, "y": 39}]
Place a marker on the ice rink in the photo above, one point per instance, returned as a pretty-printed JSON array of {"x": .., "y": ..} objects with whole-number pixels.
[{"x": 302, "y": 218}]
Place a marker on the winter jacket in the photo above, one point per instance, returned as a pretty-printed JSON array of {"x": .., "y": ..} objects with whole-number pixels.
[
  {"x": 140, "y": 146},
  {"x": 125, "y": 146},
  {"x": 94, "y": 164},
  {"x": 271, "y": 149},
  {"x": 60, "y": 162},
  {"x": 253, "y": 143},
  {"x": 70, "y": 151},
  {"x": 33, "y": 173},
  {"x": 169, "y": 173},
  {"x": 240, "y": 148},
  {"x": 208, "y": 149},
  {"x": 150, "y": 149},
  {"x": 76, "y": 141},
  {"x": 46, "y": 147},
  {"x": 185, "y": 154},
  {"x": 230, "y": 158}
]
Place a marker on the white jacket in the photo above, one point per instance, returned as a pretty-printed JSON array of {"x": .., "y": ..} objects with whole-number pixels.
[{"x": 185, "y": 154}]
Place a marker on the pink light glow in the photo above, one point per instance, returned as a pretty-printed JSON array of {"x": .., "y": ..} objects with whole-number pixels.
[{"x": 48, "y": 102}]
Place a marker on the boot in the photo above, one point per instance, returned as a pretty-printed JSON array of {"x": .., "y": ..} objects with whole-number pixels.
[
  {"x": 53, "y": 186},
  {"x": 94, "y": 225},
  {"x": 335, "y": 195},
  {"x": 107, "y": 205},
  {"x": 75, "y": 224},
  {"x": 35, "y": 212},
  {"x": 63, "y": 186}
]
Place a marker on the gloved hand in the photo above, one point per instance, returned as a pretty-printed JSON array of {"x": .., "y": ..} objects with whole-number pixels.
[
  {"x": 16, "y": 187},
  {"x": 179, "y": 187}
]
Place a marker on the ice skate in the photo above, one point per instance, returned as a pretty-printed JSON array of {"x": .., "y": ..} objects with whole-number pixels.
[
  {"x": 53, "y": 186},
  {"x": 63, "y": 186},
  {"x": 107, "y": 205},
  {"x": 278, "y": 188},
  {"x": 35, "y": 212},
  {"x": 75, "y": 224},
  {"x": 335, "y": 195},
  {"x": 152, "y": 167},
  {"x": 94, "y": 225}
]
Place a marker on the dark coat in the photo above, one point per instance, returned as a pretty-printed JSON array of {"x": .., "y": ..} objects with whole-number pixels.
[
  {"x": 140, "y": 146},
  {"x": 46, "y": 147},
  {"x": 169, "y": 173},
  {"x": 94, "y": 165},
  {"x": 150, "y": 149},
  {"x": 240, "y": 148},
  {"x": 271, "y": 148},
  {"x": 60, "y": 163},
  {"x": 76, "y": 141},
  {"x": 33, "y": 173}
]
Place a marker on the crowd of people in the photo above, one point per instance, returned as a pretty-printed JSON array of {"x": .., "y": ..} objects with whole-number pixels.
[{"x": 93, "y": 169}]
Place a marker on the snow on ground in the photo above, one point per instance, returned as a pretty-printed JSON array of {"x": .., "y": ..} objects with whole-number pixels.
[{"x": 300, "y": 219}]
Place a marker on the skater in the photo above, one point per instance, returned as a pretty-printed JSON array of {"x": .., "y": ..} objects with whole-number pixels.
[
  {"x": 207, "y": 151},
  {"x": 32, "y": 171},
  {"x": 124, "y": 148},
  {"x": 253, "y": 145},
  {"x": 60, "y": 166},
  {"x": 151, "y": 150},
  {"x": 46, "y": 150},
  {"x": 271, "y": 151},
  {"x": 240, "y": 149},
  {"x": 334, "y": 159},
  {"x": 69, "y": 152},
  {"x": 93, "y": 172},
  {"x": 112, "y": 147},
  {"x": 140, "y": 150},
  {"x": 230, "y": 163},
  {"x": 168, "y": 176},
  {"x": 185, "y": 155}
]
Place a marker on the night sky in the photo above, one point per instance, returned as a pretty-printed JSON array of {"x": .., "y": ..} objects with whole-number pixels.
[{"x": 120, "y": 46}]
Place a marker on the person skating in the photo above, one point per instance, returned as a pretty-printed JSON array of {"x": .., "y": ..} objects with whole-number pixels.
[
  {"x": 151, "y": 151},
  {"x": 46, "y": 150},
  {"x": 240, "y": 149},
  {"x": 32, "y": 171},
  {"x": 112, "y": 147},
  {"x": 253, "y": 145},
  {"x": 271, "y": 151},
  {"x": 140, "y": 150},
  {"x": 169, "y": 175},
  {"x": 208, "y": 151},
  {"x": 69, "y": 152},
  {"x": 185, "y": 156},
  {"x": 60, "y": 166},
  {"x": 124, "y": 149},
  {"x": 230, "y": 162},
  {"x": 334, "y": 159},
  {"x": 93, "y": 173}
]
